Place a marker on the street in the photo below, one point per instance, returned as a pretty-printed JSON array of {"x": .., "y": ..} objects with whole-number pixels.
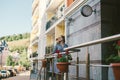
[{"x": 22, "y": 76}]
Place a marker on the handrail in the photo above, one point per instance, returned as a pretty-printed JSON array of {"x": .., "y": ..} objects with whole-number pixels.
[{"x": 102, "y": 40}]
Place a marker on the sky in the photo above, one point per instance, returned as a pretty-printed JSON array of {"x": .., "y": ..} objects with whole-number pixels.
[{"x": 15, "y": 16}]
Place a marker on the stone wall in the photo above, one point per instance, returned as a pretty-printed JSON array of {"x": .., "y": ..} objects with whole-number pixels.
[
  {"x": 103, "y": 23},
  {"x": 83, "y": 29}
]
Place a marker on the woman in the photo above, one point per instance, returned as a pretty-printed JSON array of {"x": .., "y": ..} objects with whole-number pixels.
[
  {"x": 60, "y": 44},
  {"x": 59, "y": 47}
]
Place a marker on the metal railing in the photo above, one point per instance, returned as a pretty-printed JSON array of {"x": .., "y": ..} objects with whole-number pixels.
[
  {"x": 88, "y": 65},
  {"x": 87, "y": 44},
  {"x": 103, "y": 40}
]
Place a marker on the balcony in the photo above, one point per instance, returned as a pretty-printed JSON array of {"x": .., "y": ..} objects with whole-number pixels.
[
  {"x": 36, "y": 13},
  {"x": 49, "y": 49},
  {"x": 57, "y": 17},
  {"x": 35, "y": 41},
  {"x": 35, "y": 29},
  {"x": 73, "y": 6},
  {"x": 92, "y": 69},
  {"x": 34, "y": 56},
  {"x": 34, "y": 3},
  {"x": 51, "y": 22},
  {"x": 53, "y": 4},
  {"x": 34, "y": 9},
  {"x": 34, "y": 22}
]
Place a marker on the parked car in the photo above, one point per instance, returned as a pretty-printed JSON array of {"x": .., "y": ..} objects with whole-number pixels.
[
  {"x": 8, "y": 73},
  {"x": 4, "y": 73},
  {"x": 12, "y": 72},
  {"x": 16, "y": 71}
]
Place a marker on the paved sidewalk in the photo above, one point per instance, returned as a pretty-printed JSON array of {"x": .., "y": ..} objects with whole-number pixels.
[
  {"x": 33, "y": 76},
  {"x": 22, "y": 76}
]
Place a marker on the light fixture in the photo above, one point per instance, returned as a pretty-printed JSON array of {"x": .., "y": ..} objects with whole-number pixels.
[
  {"x": 70, "y": 19},
  {"x": 86, "y": 10}
]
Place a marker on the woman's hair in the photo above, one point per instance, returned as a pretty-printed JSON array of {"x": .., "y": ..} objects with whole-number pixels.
[{"x": 63, "y": 38}]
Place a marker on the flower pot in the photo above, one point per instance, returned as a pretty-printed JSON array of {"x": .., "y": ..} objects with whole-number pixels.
[
  {"x": 116, "y": 70},
  {"x": 44, "y": 63},
  {"x": 63, "y": 66}
]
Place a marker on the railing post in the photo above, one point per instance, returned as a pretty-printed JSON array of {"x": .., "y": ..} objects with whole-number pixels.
[
  {"x": 66, "y": 76},
  {"x": 87, "y": 65},
  {"x": 44, "y": 74},
  {"x": 77, "y": 68},
  {"x": 52, "y": 68}
]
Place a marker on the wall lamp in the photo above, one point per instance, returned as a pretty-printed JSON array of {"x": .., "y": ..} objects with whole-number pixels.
[{"x": 87, "y": 10}]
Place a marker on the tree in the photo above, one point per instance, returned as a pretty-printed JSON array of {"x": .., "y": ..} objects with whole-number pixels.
[
  {"x": 9, "y": 61},
  {"x": 20, "y": 36},
  {"x": 7, "y": 38}
]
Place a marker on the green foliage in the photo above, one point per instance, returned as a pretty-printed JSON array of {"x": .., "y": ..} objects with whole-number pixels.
[
  {"x": 18, "y": 48},
  {"x": 62, "y": 59},
  {"x": 9, "y": 61},
  {"x": 15, "y": 37},
  {"x": 113, "y": 59},
  {"x": 117, "y": 47},
  {"x": 23, "y": 59},
  {"x": 35, "y": 54}
]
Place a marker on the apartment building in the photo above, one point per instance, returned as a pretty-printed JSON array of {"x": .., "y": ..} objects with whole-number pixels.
[
  {"x": 37, "y": 38},
  {"x": 34, "y": 36},
  {"x": 53, "y": 18}
]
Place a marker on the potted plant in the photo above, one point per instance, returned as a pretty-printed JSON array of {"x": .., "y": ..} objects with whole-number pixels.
[
  {"x": 117, "y": 46},
  {"x": 114, "y": 61},
  {"x": 63, "y": 61},
  {"x": 44, "y": 62}
]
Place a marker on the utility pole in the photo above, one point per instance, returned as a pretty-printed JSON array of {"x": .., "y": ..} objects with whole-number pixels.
[
  {"x": 1, "y": 49},
  {"x": 2, "y": 46}
]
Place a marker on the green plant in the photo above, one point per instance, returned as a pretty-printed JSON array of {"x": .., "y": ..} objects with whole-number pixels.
[
  {"x": 113, "y": 59},
  {"x": 117, "y": 45},
  {"x": 63, "y": 57},
  {"x": 35, "y": 54}
]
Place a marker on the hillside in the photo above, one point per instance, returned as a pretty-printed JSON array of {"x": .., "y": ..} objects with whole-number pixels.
[
  {"x": 21, "y": 47},
  {"x": 15, "y": 37},
  {"x": 22, "y": 42},
  {"x": 18, "y": 45}
]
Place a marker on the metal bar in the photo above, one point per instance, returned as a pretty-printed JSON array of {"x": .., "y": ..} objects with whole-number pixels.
[
  {"x": 87, "y": 65},
  {"x": 102, "y": 40},
  {"x": 52, "y": 68},
  {"x": 77, "y": 68},
  {"x": 67, "y": 76},
  {"x": 92, "y": 65}
]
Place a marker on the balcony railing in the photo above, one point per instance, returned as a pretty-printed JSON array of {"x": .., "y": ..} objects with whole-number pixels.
[
  {"x": 53, "y": 4},
  {"x": 35, "y": 39},
  {"x": 33, "y": 55},
  {"x": 33, "y": 11},
  {"x": 95, "y": 69},
  {"x": 48, "y": 3},
  {"x": 49, "y": 49}
]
